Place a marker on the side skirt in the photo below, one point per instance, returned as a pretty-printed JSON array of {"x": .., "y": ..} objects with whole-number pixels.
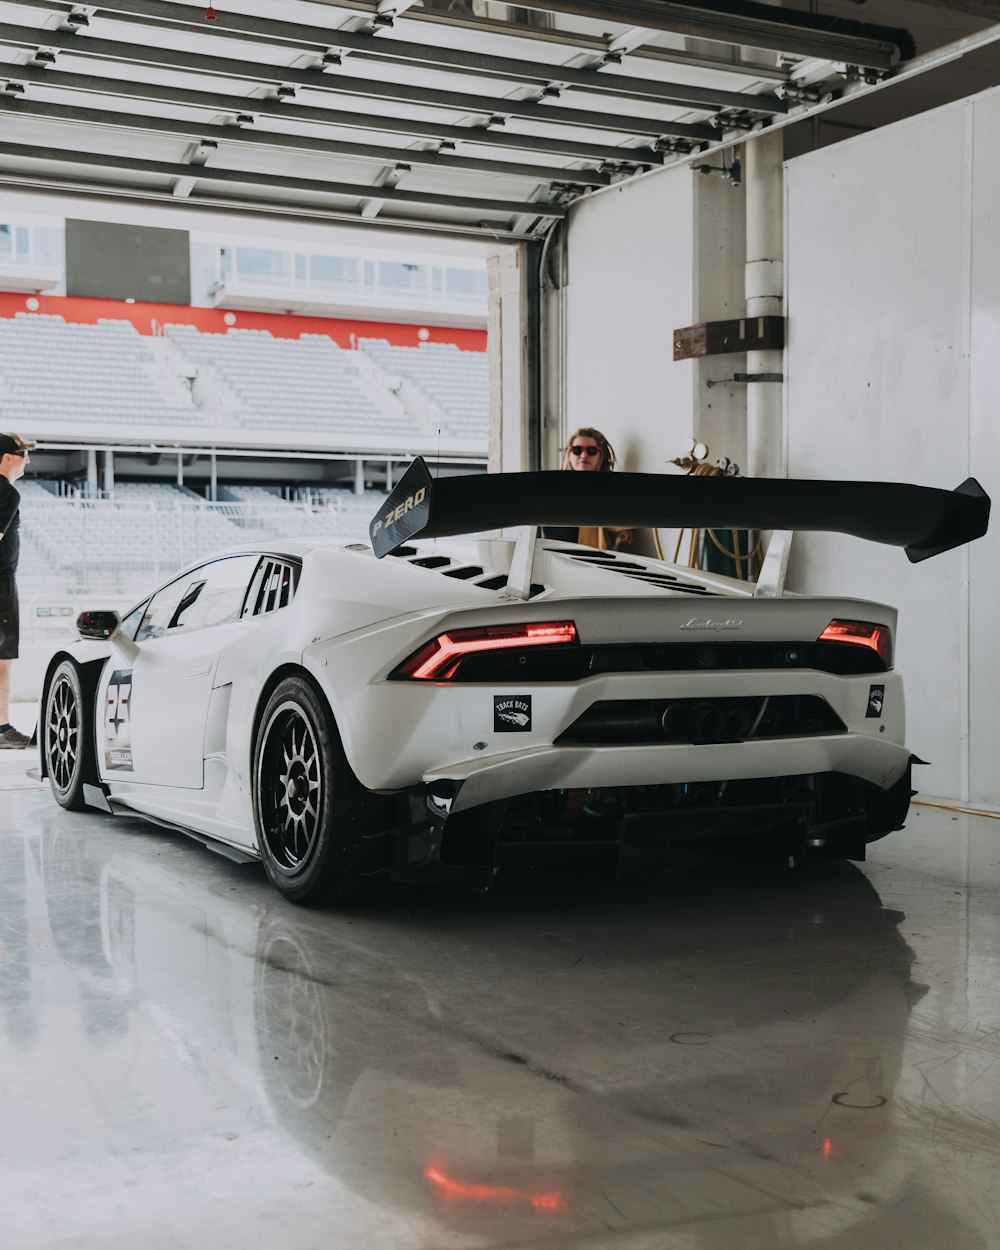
[{"x": 97, "y": 796}]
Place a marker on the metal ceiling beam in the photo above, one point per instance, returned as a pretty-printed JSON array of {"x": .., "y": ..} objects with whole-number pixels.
[
  {"x": 948, "y": 54},
  {"x": 772, "y": 29},
  {"x": 274, "y": 108},
  {"x": 567, "y": 39},
  {"x": 237, "y": 135},
  {"x": 751, "y": 25},
  {"x": 456, "y": 101},
  {"x": 276, "y": 182},
  {"x": 775, "y": 30},
  {"x": 381, "y": 47},
  {"x": 227, "y": 208},
  {"x": 656, "y": 14}
]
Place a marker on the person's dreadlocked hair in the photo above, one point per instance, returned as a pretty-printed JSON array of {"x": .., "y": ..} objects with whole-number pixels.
[{"x": 608, "y": 458}]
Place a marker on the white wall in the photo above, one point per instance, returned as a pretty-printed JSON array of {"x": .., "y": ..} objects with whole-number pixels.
[
  {"x": 893, "y": 287},
  {"x": 643, "y": 260}
]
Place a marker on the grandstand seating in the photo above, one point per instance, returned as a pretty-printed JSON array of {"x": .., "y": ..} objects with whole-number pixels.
[
  {"x": 324, "y": 510},
  {"x": 303, "y": 384},
  {"x": 262, "y": 496},
  {"x": 151, "y": 529},
  {"x": 109, "y": 374},
  {"x": 51, "y": 370},
  {"x": 147, "y": 531},
  {"x": 157, "y": 495},
  {"x": 456, "y": 382},
  {"x": 29, "y": 490}
]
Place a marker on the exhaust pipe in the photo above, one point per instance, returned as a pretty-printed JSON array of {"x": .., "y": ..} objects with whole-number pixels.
[
  {"x": 709, "y": 721},
  {"x": 737, "y": 723},
  {"x": 705, "y": 722},
  {"x": 677, "y": 722}
]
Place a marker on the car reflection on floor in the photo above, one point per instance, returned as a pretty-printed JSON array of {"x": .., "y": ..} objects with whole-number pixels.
[{"x": 713, "y": 1050}]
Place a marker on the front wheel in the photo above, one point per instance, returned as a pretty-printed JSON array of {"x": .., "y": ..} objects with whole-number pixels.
[
  {"x": 317, "y": 827},
  {"x": 67, "y": 746}
]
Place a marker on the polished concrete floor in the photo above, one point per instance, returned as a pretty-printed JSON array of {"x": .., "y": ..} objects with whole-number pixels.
[{"x": 704, "y": 1058}]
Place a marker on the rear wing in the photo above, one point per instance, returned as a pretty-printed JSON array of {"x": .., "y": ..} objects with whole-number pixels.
[{"x": 923, "y": 520}]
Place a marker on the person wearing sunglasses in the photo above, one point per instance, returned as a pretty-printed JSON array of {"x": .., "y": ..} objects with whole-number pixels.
[
  {"x": 588, "y": 451},
  {"x": 14, "y": 459}
]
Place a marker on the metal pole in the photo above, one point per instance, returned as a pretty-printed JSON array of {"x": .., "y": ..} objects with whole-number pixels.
[
  {"x": 764, "y": 287},
  {"x": 534, "y": 363}
]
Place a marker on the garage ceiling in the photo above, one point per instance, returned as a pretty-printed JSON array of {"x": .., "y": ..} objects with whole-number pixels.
[{"x": 458, "y": 115}]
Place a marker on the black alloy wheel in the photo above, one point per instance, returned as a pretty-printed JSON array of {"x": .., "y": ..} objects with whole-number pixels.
[
  {"x": 316, "y": 824},
  {"x": 67, "y": 745}
]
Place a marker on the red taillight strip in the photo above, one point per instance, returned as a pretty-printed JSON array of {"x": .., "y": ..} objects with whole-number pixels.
[
  {"x": 440, "y": 658},
  {"x": 862, "y": 634}
]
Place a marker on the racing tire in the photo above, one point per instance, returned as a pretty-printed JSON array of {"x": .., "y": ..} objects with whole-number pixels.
[
  {"x": 67, "y": 748},
  {"x": 317, "y": 827}
]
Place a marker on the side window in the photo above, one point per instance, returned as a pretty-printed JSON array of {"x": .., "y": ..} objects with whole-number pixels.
[
  {"x": 211, "y": 595},
  {"x": 161, "y": 609},
  {"x": 273, "y": 587},
  {"x": 186, "y": 611},
  {"x": 216, "y": 593},
  {"x": 131, "y": 622}
]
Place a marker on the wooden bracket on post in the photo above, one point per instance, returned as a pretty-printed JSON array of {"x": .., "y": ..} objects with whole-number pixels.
[{"x": 715, "y": 338}]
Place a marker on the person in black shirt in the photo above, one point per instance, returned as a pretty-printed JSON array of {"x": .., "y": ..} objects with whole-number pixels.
[{"x": 13, "y": 461}]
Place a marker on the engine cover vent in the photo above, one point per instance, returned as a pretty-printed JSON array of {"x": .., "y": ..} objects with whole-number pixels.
[{"x": 641, "y": 572}]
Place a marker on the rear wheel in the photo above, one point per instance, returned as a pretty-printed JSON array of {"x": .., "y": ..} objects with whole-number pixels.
[
  {"x": 67, "y": 743},
  {"x": 318, "y": 829}
]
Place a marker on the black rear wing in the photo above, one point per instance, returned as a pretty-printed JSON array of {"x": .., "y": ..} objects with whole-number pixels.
[{"x": 923, "y": 520}]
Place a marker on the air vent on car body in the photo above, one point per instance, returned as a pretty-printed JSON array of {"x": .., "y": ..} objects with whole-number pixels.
[
  {"x": 472, "y": 573},
  {"x": 611, "y": 563},
  {"x": 432, "y": 562}
]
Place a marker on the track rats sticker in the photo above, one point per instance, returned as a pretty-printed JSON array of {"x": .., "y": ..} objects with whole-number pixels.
[
  {"x": 118, "y": 722},
  {"x": 876, "y": 698},
  {"x": 511, "y": 713}
]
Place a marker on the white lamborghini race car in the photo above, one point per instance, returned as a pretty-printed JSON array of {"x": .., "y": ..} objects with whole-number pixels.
[{"x": 405, "y": 708}]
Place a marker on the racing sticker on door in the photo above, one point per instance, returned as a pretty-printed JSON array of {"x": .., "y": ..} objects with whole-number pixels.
[
  {"x": 118, "y": 722},
  {"x": 511, "y": 713}
]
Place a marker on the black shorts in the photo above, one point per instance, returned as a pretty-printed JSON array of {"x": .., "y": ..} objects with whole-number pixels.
[{"x": 10, "y": 622}]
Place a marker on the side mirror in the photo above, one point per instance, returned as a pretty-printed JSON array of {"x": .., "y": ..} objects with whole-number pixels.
[
  {"x": 99, "y": 626},
  {"x": 106, "y": 627}
]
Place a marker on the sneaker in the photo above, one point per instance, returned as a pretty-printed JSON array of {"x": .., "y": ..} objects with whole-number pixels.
[{"x": 13, "y": 740}]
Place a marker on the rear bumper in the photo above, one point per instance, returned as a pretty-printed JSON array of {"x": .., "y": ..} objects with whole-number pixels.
[
  {"x": 398, "y": 734},
  {"x": 477, "y": 782}
]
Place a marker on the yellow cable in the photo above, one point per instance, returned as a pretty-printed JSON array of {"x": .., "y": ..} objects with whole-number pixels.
[
  {"x": 951, "y": 807},
  {"x": 733, "y": 555}
]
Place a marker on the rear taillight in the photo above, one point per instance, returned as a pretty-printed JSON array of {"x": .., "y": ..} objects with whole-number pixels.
[
  {"x": 877, "y": 638},
  {"x": 440, "y": 658}
]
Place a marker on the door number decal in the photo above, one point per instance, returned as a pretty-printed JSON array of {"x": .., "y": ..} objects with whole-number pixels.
[{"x": 118, "y": 722}]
